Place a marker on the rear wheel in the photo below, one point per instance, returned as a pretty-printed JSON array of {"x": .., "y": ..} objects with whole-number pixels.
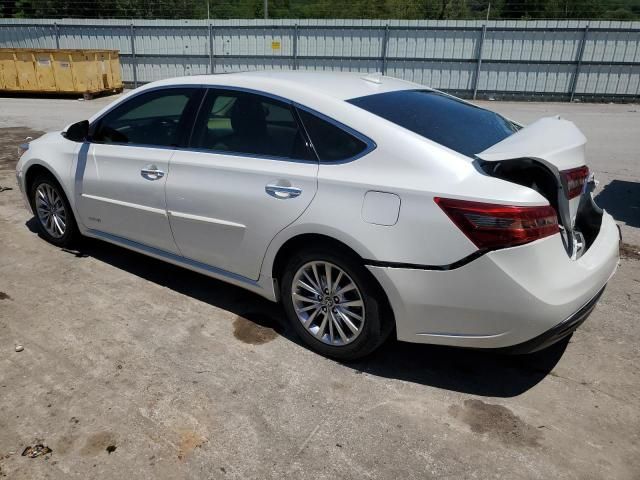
[
  {"x": 334, "y": 304},
  {"x": 53, "y": 212}
]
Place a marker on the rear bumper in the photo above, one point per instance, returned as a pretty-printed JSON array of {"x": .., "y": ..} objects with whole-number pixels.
[
  {"x": 557, "y": 333},
  {"x": 523, "y": 298}
]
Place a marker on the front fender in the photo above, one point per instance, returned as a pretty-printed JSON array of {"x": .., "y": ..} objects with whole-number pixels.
[{"x": 55, "y": 154}]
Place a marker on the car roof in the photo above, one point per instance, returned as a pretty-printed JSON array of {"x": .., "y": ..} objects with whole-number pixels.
[{"x": 296, "y": 85}]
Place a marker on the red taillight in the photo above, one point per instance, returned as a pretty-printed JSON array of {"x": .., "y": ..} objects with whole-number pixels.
[
  {"x": 490, "y": 226},
  {"x": 574, "y": 180}
]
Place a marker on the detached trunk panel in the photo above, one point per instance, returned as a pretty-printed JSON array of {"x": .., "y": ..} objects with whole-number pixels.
[
  {"x": 553, "y": 140},
  {"x": 549, "y": 156}
]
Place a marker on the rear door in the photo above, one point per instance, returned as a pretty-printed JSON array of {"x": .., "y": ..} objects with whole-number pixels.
[
  {"x": 248, "y": 173},
  {"x": 122, "y": 172}
]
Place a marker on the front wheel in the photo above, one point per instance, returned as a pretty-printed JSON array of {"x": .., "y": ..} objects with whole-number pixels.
[
  {"x": 53, "y": 212},
  {"x": 334, "y": 304}
]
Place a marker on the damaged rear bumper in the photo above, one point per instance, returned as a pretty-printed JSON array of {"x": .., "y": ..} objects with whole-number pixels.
[
  {"x": 523, "y": 298},
  {"x": 555, "y": 334}
]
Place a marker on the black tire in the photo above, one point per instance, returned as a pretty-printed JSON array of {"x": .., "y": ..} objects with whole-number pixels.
[
  {"x": 71, "y": 233},
  {"x": 378, "y": 322}
]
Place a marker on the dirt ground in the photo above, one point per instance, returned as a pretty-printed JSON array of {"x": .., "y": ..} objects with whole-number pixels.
[{"x": 138, "y": 369}]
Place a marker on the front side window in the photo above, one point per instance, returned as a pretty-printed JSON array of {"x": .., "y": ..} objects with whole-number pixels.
[
  {"x": 331, "y": 142},
  {"x": 148, "y": 119},
  {"x": 247, "y": 123},
  {"x": 462, "y": 127}
]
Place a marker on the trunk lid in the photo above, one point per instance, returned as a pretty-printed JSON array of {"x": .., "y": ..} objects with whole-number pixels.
[{"x": 558, "y": 145}]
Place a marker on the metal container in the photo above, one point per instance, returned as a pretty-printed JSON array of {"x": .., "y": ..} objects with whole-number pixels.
[{"x": 85, "y": 72}]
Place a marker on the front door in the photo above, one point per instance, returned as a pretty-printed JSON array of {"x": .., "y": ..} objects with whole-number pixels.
[
  {"x": 248, "y": 174},
  {"x": 122, "y": 172}
]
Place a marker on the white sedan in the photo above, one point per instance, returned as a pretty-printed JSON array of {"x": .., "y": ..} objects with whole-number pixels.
[{"x": 365, "y": 204}]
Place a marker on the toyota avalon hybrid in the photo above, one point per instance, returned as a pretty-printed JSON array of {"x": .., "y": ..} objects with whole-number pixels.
[{"x": 365, "y": 204}]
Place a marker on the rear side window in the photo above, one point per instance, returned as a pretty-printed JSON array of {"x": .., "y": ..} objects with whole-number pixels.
[
  {"x": 148, "y": 119},
  {"x": 251, "y": 124},
  {"x": 330, "y": 141},
  {"x": 465, "y": 128}
]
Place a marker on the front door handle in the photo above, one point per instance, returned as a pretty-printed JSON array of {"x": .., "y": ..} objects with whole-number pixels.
[
  {"x": 151, "y": 172},
  {"x": 282, "y": 192}
]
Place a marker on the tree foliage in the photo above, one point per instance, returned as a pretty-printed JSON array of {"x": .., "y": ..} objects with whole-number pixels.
[{"x": 380, "y": 9}]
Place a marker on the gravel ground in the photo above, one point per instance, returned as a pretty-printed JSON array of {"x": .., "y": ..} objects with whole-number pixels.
[{"x": 138, "y": 368}]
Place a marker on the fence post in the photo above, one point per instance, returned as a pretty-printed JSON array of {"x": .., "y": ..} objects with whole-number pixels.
[
  {"x": 56, "y": 29},
  {"x": 210, "y": 48},
  {"x": 574, "y": 80},
  {"x": 295, "y": 46},
  {"x": 383, "y": 55},
  {"x": 479, "y": 61},
  {"x": 134, "y": 61}
]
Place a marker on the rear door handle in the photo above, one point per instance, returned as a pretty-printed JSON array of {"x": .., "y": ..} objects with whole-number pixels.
[
  {"x": 282, "y": 192},
  {"x": 151, "y": 172}
]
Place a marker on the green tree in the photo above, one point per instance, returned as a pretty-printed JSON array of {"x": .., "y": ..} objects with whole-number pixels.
[
  {"x": 573, "y": 9},
  {"x": 380, "y": 9}
]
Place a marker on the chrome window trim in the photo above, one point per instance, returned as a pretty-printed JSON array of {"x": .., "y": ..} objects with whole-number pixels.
[
  {"x": 249, "y": 90},
  {"x": 122, "y": 101},
  {"x": 370, "y": 144},
  {"x": 244, "y": 155},
  {"x": 208, "y": 88}
]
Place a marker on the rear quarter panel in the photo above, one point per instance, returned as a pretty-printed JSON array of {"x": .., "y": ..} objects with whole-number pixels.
[{"x": 414, "y": 169}]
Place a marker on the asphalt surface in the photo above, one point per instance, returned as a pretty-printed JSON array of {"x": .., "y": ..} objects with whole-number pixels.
[{"x": 136, "y": 368}]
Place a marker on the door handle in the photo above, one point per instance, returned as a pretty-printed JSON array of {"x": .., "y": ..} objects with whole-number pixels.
[
  {"x": 151, "y": 172},
  {"x": 282, "y": 192}
]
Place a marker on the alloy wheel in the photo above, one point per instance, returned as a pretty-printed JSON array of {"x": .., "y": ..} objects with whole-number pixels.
[
  {"x": 51, "y": 210},
  {"x": 328, "y": 303}
]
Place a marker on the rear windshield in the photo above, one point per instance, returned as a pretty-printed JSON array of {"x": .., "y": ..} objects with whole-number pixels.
[{"x": 450, "y": 122}]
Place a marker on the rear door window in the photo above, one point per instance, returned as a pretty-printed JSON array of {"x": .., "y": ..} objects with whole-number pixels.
[
  {"x": 462, "y": 127},
  {"x": 331, "y": 142},
  {"x": 247, "y": 123},
  {"x": 152, "y": 118}
]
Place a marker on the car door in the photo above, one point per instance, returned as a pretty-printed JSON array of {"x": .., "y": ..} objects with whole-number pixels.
[
  {"x": 121, "y": 173},
  {"x": 248, "y": 173}
]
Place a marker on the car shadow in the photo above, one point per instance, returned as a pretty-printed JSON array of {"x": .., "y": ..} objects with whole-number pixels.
[
  {"x": 621, "y": 199},
  {"x": 470, "y": 371}
]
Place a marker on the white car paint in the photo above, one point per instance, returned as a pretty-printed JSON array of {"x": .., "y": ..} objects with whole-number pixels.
[
  {"x": 503, "y": 298},
  {"x": 227, "y": 194},
  {"x": 210, "y": 213},
  {"x": 381, "y": 208},
  {"x": 113, "y": 197},
  {"x": 556, "y": 142}
]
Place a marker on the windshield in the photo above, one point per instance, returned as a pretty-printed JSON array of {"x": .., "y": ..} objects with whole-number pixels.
[{"x": 462, "y": 127}]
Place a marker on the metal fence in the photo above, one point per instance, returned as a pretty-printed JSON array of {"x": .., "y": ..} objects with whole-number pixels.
[{"x": 556, "y": 60}]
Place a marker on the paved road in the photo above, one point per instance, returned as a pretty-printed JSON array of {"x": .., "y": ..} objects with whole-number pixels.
[{"x": 137, "y": 369}]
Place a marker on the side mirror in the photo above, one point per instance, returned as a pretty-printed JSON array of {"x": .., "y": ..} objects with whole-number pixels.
[{"x": 78, "y": 132}]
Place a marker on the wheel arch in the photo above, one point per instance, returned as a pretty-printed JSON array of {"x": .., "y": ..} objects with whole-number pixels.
[
  {"x": 31, "y": 172},
  {"x": 306, "y": 239}
]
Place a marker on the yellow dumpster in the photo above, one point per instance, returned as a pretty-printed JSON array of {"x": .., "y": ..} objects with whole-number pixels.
[{"x": 85, "y": 72}]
